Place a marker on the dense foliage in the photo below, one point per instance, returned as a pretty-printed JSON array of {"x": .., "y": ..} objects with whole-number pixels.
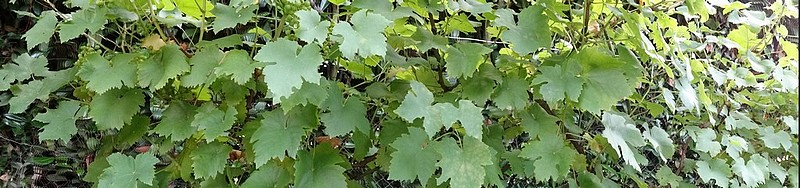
[{"x": 398, "y": 93}]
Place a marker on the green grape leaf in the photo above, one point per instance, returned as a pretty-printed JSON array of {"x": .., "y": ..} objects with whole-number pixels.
[
  {"x": 239, "y": 65},
  {"x": 212, "y": 121},
  {"x": 512, "y": 93},
  {"x": 126, "y": 171},
  {"x": 602, "y": 89},
  {"x": 42, "y": 31},
  {"x": 415, "y": 157},
  {"x": 744, "y": 37},
  {"x": 754, "y": 172},
  {"x": 364, "y": 36},
  {"x": 25, "y": 94},
  {"x": 229, "y": 17},
  {"x": 132, "y": 132},
  {"x": 530, "y": 33},
  {"x": 559, "y": 82},
  {"x": 438, "y": 116},
  {"x": 385, "y": 8},
  {"x": 776, "y": 169},
  {"x": 464, "y": 167},
  {"x": 273, "y": 175},
  {"x": 551, "y": 158},
  {"x": 473, "y": 6},
  {"x": 607, "y": 79},
  {"x": 714, "y": 169},
  {"x": 208, "y": 160},
  {"x": 664, "y": 176},
  {"x": 479, "y": 88},
  {"x": 505, "y": 18},
  {"x": 734, "y": 145},
  {"x": 445, "y": 114},
  {"x": 774, "y": 139},
  {"x": 538, "y": 123},
  {"x": 704, "y": 140},
  {"x": 176, "y": 122},
  {"x": 197, "y": 9},
  {"x": 459, "y": 23},
  {"x": 82, "y": 20},
  {"x": 660, "y": 141},
  {"x": 791, "y": 122},
  {"x": 5, "y": 80},
  {"x": 427, "y": 40},
  {"x": 202, "y": 64},
  {"x": 291, "y": 68},
  {"x": 311, "y": 28},
  {"x": 276, "y": 138},
  {"x": 60, "y": 121},
  {"x": 318, "y": 168},
  {"x": 308, "y": 93},
  {"x": 463, "y": 59},
  {"x": 115, "y": 108},
  {"x": 417, "y": 99},
  {"x": 589, "y": 180},
  {"x": 26, "y": 67},
  {"x": 622, "y": 135},
  {"x": 345, "y": 118},
  {"x": 169, "y": 62},
  {"x": 103, "y": 75},
  {"x": 228, "y": 41}
]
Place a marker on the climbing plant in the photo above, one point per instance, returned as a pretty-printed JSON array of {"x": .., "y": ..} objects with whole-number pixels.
[{"x": 400, "y": 93}]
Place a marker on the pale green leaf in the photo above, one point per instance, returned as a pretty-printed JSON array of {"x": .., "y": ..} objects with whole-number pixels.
[
  {"x": 343, "y": 119},
  {"x": 319, "y": 168},
  {"x": 208, "y": 160},
  {"x": 428, "y": 40},
  {"x": 276, "y": 138},
  {"x": 42, "y": 31},
  {"x": 60, "y": 121},
  {"x": 414, "y": 158},
  {"x": 291, "y": 68},
  {"x": 754, "y": 172},
  {"x": 705, "y": 140},
  {"x": 714, "y": 169},
  {"x": 126, "y": 171},
  {"x": 272, "y": 175},
  {"x": 202, "y": 64},
  {"x": 463, "y": 59},
  {"x": 774, "y": 139},
  {"x": 560, "y": 81},
  {"x": 212, "y": 121},
  {"x": 25, "y": 94},
  {"x": 26, "y": 67},
  {"x": 115, "y": 108},
  {"x": 103, "y": 75},
  {"x": 661, "y": 142},
  {"x": 530, "y": 33},
  {"x": 239, "y": 65},
  {"x": 311, "y": 28},
  {"x": 551, "y": 157},
  {"x": 417, "y": 99},
  {"x": 82, "y": 20},
  {"x": 229, "y": 17},
  {"x": 473, "y": 6},
  {"x": 168, "y": 63},
  {"x": 364, "y": 36},
  {"x": 176, "y": 121},
  {"x": 463, "y": 166},
  {"x": 511, "y": 94},
  {"x": 194, "y": 8},
  {"x": 623, "y": 136}
]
